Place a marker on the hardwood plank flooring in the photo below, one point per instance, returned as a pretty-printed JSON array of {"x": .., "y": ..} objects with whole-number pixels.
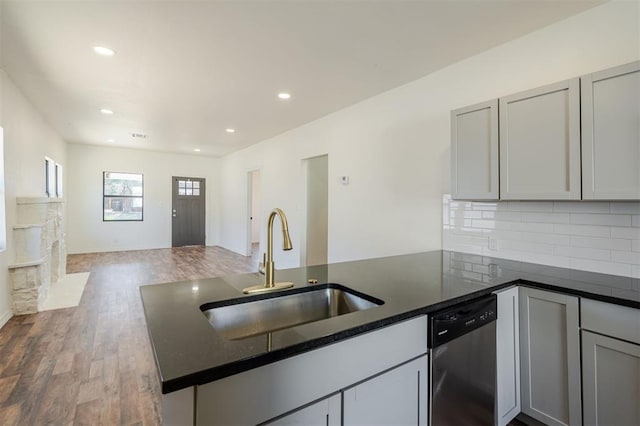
[{"x": 93, "y": 364}]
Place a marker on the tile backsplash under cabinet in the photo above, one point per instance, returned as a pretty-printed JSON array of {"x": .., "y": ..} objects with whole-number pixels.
[{"x": 591, "y": 236}]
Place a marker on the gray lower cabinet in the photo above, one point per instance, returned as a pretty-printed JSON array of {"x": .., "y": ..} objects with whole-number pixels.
[
  {"x": 540, "y": 143},
  {"x": 397, "y": 397},
  {"x": 550, "y": 357},
  {"x": 507, "y": 356},
  {"x": 474, "y": 152},
  {"x": 610, "y": 363},
  {"x": 321, "y": 413},
  {"x": 382, "y": 372},
  {"x": 611, "y": 381},
  {"x": 611, "y": 133}
]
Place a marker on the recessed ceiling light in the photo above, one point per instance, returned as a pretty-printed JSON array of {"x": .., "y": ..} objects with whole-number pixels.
[
  {"x": 106, "y": 111},
  {"x": 230, "y": 130},
  {"x": 110, "y": 140},
  {"x": 284, "y": 95},
  {"x": 196, "y": 149},
  {"x": 104, "y": 51}
]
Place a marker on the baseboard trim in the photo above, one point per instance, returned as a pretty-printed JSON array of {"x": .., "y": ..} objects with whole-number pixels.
[{"x": 4, "y": 318}]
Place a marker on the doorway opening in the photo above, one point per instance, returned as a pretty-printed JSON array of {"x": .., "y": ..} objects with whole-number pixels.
[
  {"x": 314, "y": 245},
  {"x": 254, "y": 210},
  {"x": 188, "y": 211}
]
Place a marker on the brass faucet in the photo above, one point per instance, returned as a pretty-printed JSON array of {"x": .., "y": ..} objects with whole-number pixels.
[{"x": 268, "y": 266}]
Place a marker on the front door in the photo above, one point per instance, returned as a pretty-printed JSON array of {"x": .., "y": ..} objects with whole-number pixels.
[{"x": 188, "y": 212}]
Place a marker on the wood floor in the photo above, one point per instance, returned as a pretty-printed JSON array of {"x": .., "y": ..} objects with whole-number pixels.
[{"x": 92, "y": 364}]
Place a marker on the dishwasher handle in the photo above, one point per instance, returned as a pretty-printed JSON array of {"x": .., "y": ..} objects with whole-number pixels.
[{"x": 461, "y": 319}]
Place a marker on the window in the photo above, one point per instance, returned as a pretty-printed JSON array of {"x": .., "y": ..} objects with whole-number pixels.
[
  {"x": 122, "y": 196},
  {"x": 50, "y": 177},
  {"x": 189, "y": 188}
]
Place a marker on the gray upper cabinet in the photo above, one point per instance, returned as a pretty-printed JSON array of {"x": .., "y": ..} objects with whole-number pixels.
[
  {"x": 611, "y": 134},
  {"x": 540, "y": 143},
  {"x": 474, "y": 152}
]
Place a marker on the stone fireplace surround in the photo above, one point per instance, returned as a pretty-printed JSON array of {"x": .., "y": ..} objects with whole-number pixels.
[{"x": 40, "y": 252}]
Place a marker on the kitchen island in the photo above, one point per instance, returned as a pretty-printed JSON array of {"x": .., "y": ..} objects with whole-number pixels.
[{"x": 190, "y": 353}]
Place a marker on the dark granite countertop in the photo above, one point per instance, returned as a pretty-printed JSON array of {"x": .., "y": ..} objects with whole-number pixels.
[{"x": 189, "y": 351}]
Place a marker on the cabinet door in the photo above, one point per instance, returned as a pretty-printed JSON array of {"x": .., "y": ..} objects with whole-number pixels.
[
  {"x": 321, "y": 413},
  {"x": 611, "y": 379},
  {"x": 550, "y": 357},
  {"x": 507, "y": 357},
  {"x": 474, "y": 152},
  {"x": 540, "y": 143},
  {"x": 397, "y": 397},
  {"x": 611, "y": 134}
]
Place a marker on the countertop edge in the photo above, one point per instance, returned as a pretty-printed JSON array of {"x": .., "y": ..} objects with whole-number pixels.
[{"x": 220, "y": 372}]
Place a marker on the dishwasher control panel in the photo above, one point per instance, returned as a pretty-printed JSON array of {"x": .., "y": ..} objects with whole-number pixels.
[{"x": 460, "y": 319}]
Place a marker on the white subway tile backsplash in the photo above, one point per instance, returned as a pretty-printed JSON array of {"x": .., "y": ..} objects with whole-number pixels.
[
  {"x": 591, "y": 236},
  {"x": 488, "y": 206},
  {"x": 546, "y": 217},
  {"x": 481, "y": 269},
  {"x": 625, "y": 257},
  {"x": 533, "y": 227},
  {"x": 628, "y": 207},
  {"x": 600, "y": 243},
  {"x": 502, "y": 215},
  {"x": 581, "y": 207},
  {"x": 584, "y": 230},
  {"x": 531, "y": 206},
  {"x": 601, "y": 219},
  {"x": 467, "y": 230},
  {"x": 488, "y": 224},
  {"x": 464, "y": 214},
  {"x": 460, "y": 204},
  {"x": 526, "y": 246},
  {"x": 583, "y": 253},
  {"x": 602, "y": 267},
  {"x": 630, "y": 233},
  {"x": 556, "y": 239}
]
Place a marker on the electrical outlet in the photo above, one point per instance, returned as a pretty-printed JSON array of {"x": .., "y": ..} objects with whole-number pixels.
[{"x": 493, "y": 243}]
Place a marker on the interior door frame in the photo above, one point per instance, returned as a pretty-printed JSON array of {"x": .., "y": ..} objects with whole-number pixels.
[
  {"x": 304, "y": 164},
  {"x": 249, "y": 217}
]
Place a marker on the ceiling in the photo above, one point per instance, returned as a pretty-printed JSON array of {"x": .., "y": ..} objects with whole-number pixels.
[{"x": 184, "y": 71}]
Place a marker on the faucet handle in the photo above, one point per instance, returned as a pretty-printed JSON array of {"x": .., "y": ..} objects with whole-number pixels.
[{"x": 262, "y": 265}]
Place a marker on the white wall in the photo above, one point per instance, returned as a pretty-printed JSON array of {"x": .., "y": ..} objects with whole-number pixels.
[
  {"x": 86, "y": 232},
  {"x": 27, "y": 140},
  {"x": 395, "y": 146}
]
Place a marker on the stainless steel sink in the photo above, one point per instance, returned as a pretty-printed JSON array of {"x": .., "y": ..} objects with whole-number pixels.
[{"x": 252, "y": 316}]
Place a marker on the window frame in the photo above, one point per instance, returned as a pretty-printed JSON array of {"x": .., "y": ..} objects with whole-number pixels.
[
  {"x": 105, "y": 196},
  {"x": 59, "y": 184},
  {"x": 49, "y": 177}
]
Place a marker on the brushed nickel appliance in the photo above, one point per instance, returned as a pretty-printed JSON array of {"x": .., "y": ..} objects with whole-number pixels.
[{"x": 463, "y": 363}]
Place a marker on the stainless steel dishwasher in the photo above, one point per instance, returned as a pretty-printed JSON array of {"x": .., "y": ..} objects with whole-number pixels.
[{"x": 463, "y": 363}]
